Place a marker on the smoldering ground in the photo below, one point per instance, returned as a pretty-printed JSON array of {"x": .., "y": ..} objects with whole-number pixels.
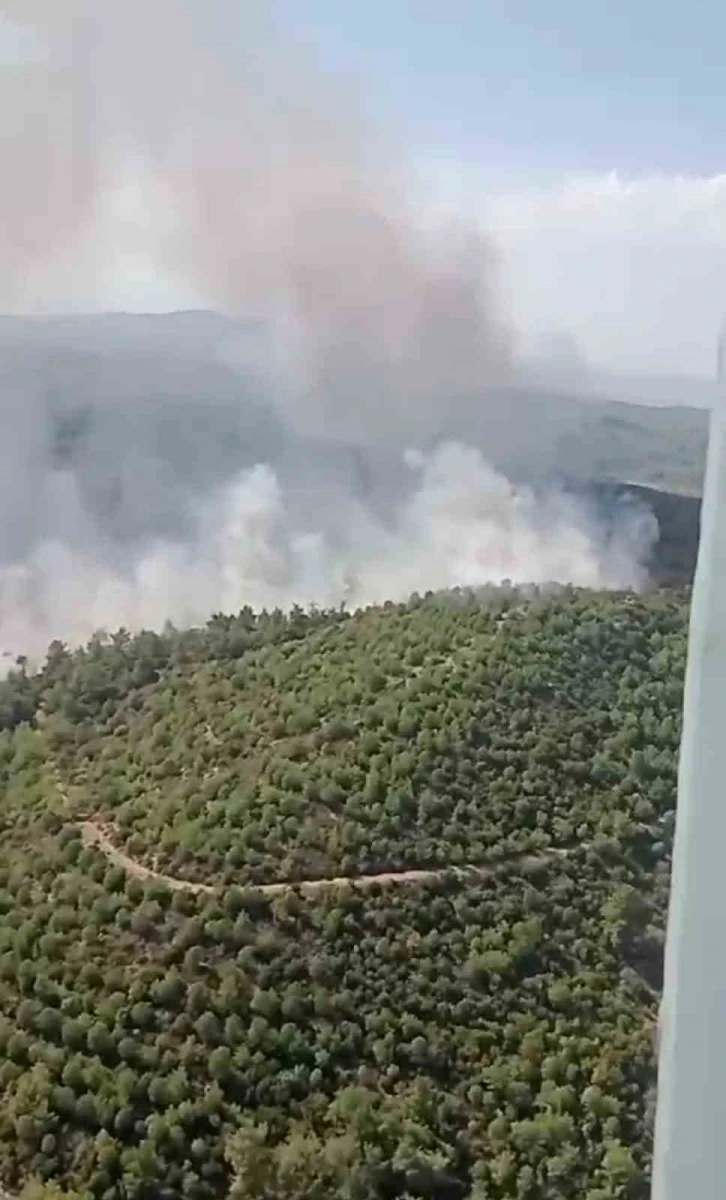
[{"x": 332, "y": 442}]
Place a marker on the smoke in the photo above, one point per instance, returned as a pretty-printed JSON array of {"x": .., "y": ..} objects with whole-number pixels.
[
  {"x": 152, "y": 471},
  {"x": 462, "y": 524}
]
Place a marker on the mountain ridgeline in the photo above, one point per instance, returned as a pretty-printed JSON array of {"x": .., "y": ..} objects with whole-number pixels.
[{"x": 147, "y": 414}]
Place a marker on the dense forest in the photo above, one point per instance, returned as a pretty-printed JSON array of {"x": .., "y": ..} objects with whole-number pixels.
[{"x": 465, "y": 1009}]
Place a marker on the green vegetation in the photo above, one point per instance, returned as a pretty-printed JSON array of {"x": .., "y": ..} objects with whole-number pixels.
[
  {"x": 672, "y": 561},
  {"x": 485, "y": 1034},
  {"x": 662, "y": 448}
]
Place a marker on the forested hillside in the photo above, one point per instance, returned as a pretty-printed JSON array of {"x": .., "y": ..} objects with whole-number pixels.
[{"x": 466, "y": 1009}]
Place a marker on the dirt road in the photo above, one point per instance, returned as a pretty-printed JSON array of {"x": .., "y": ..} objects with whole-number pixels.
[{"x": 95, "y": 833}]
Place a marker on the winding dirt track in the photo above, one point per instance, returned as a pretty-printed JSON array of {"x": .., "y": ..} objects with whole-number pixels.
[{"x": 95, "y": 833}]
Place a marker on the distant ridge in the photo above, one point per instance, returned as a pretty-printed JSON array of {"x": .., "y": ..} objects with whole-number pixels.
[
  {"x": 198, "y": 362},
  {"x": 205, "y": 327}
]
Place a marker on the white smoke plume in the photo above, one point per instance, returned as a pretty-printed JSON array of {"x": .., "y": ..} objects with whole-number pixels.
[
  {"x": 150, "y": 473},
  {"x": 273, "y": 197},
  {"x": 462, "y": 525}
]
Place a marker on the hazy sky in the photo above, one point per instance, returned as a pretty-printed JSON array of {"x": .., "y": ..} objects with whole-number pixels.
[
  {"x": 527, "y": 85},
  {"x": 590, "y": 139}
]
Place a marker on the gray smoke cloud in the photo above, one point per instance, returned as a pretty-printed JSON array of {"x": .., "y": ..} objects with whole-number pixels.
[
  {"x": 461, "y": 524},
  {"x": 329, "y": 443}
]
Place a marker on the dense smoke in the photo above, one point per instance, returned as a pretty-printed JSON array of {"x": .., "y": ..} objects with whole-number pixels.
[{"x": 314, "y": 452}]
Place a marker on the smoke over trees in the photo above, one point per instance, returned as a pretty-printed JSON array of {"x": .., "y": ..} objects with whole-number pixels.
[{"x": 276, "y": 473}]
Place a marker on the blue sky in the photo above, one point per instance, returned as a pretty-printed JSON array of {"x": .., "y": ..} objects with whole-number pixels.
[{"x": 636, "y": 85}]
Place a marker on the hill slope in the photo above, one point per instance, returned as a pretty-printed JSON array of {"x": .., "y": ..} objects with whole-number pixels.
[
  {"x": 483, "y": 1032},
  {"x": 189, "y": 385}
]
